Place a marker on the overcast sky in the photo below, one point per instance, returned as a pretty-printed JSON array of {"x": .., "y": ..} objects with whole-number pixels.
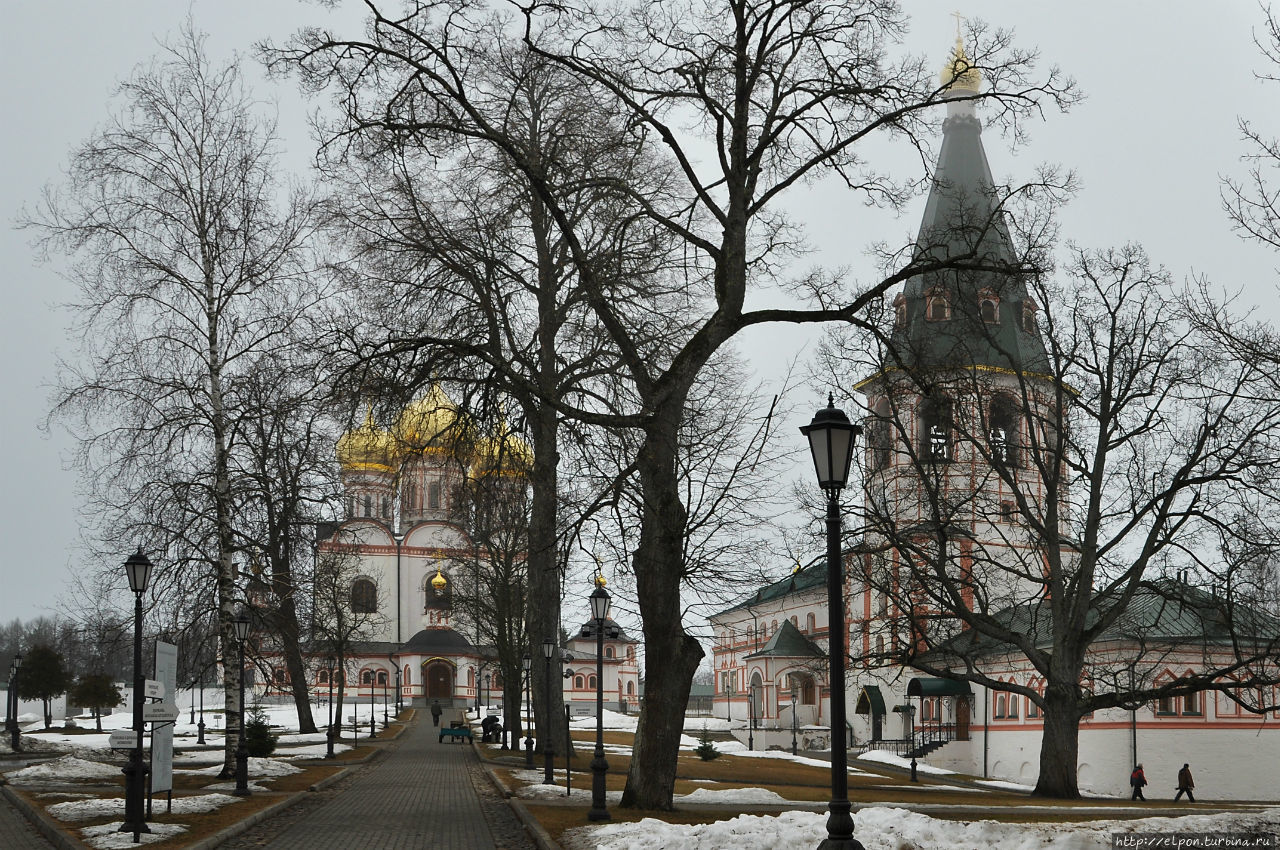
[{"x": 1164, "y": 85}]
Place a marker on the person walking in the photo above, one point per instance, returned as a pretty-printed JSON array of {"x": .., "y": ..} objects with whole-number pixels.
[
  {"x": 435, "y": 712},
  {"x": 1185, "y": 784},
  {"x": 1137, "y": 779}
]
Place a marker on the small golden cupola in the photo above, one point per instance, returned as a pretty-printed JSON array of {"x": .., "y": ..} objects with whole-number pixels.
[
  {"x": 439, "y": 599},
  {"x": 960, "y": 77},
  {"x": 430, "y": 424}
]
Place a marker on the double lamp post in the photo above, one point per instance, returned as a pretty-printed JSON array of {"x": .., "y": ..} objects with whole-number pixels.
[
  {"x": 831, "y": 440},
  {"x": 138, "y": 569}
]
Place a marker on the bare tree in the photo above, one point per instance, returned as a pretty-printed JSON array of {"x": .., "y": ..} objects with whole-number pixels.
[
  {"x": 1069, "y": 499},
  {"x": 187, "y": 258},
  {"x": 785, "y": 93}
]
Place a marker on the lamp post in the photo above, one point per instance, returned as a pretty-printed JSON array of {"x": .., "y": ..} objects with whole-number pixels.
[
  {"x": 728, "y": 699},
  {"x": 395, "y": 665},
  {"x": 911, "y": 710},
  {"x": 15, "y": 733},
  {"x": 831, "y": 439},
  {"x": 242, "y": 749},
  {"x": 487, "y": 693},
  {"x": 200, "y": 725},
  {"x": 793, "y": 719},
  {"x": 527, "y": 662},
  {"x": 328, "y": 734},
  {"x": 385, "y": 681},
  {"x": 599, "y": 766},
  {"x": 548, "y": 767},
  {"x": 138, "y": 568},
  {"x": 751, "y": 716}
]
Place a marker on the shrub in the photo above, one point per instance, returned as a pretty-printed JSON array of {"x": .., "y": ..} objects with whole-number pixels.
[
  {"x": 259, "y": 740},
  {"x": 705, "y": 749}
]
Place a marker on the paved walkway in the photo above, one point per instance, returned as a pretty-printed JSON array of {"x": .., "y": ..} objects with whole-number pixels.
[
  {"x": 16, "y": 831},
  {"x": 421, "y": 794}
]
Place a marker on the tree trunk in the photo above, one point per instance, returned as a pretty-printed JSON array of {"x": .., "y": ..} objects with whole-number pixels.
[
  {"x": 48, "y": 713},
  {"x": 287, "y": 629},
  {"x": 1059, "y": 747},
  {"x": 97, "y": 718},
  {"x": 543, "y": 603},
  {"x": 671, "y": 655}
]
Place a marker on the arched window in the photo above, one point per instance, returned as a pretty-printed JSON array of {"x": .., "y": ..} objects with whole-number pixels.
[
  {"x": 433, "y": 495},
  {"x": 935, "y": 429},
  {"x": 810, "y": 622},
  {"x": 937, "y": 306},
  {"x": 989, "y": 308},
  {"x": 368, "y": 505},
  {"x": 386, "y": 508},
  {"x": 1027, "y": 315},
  {"x": 591, "y": 682},
  {"x": 1013, "y": 706},
  {"x": 437, "y": 598},
  {"x": 900, "y": 311},
  {"x": 404, "y": 680},
  {"x": 608, "y": 652},
  {"x": 1000, "y": 705},
  {"x": 411, "y": 497},
  {"x": 1191, "y": 704},
  {"x": 364, "y": 597},
  {"x": 382, "y": 677},
  {"x": 322, "y": 677},
  {"x": 795, "y": 621},
  {"x": 579, "y": 683},
  {"x": 631, "y": 653},
  {"x": 280, "y": 677},
  {"x": 1003, "y": 424},
  {"x": 351, "y": 506},
  {"x": 773, "y": 627},
  {"x": 366, "y": 677},
  {"x": 631, "y": 688}
]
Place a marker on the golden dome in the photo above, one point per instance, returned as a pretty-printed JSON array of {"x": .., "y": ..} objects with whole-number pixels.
[
  {"x": 959, "y": 75},
  {"x": 439, "y": 581},
  {"x": 431, "y": 422},
  {"x": 503, "y": 453},
  {"x": 367, "y": 447},
  {"x": 600, "y": 580}
]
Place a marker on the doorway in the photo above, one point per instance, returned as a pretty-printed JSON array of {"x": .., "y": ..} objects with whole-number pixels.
[{"x": 438, "y": 677}]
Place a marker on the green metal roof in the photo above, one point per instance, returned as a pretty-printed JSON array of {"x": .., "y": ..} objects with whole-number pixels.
[
  {"x": 812, "y": 575},
  {"x": 870, "y": 701},
  {"x": 788, "y": 642},
  {"x": 937, "y": 688}
]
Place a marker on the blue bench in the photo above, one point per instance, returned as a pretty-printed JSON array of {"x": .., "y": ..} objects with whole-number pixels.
[{"x": 455, "y": 733}]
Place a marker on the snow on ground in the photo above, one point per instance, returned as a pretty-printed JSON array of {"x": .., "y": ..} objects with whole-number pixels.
[
  {"x": 65, "y": 769},
  {"x": 886, "y": 757},
  {"x": 887, "y": 828},
  {"x": 749, "y": 796},
  {"x": 1003, "y": 785},
  {"x": 114, "y": 806},
  {"x": 257, "y": 767},
  {"x": 105, "y": 837}
]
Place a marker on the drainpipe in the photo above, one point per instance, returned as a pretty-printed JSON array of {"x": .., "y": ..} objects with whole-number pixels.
[{"x": 986, "y": 729}]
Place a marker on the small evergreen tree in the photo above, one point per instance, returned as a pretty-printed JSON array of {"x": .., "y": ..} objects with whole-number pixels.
[
  {"x": 259, "y": 740},
  {"x": 705, "y": 749},
  {"x": 95, "y": 691},
  {"x": 45, "y": 677}
]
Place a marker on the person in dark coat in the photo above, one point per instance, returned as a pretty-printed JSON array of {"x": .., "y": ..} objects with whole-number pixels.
[
  {"x": 1137, "y": 779},
  {"x": 1185, "y": 784},
  {"x": 435, "y": 712}
]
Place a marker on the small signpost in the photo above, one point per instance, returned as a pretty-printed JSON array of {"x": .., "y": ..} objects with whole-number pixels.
[
  {"x": 153, "y": 689},
  {"x": 159, "y": 712},
  {"x": 123, "y": 739}
]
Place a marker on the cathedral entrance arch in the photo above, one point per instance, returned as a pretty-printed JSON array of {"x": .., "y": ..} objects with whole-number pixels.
[{"x": 437, "y": 679}]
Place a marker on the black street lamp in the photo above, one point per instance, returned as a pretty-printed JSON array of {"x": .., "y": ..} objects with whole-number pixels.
[
  {"x": 395, "y": 665},
  {"x": 751, "y": 715},
  {"x": 385, "y": 680},
  {"x": 200, "y": 725},
  {"x": 487, "y": 693},
  {"x": 138, "y": 568},
  {"x": 548, "y": 766},
  {"x": 242, "y": 749},
  {"x": 11, "y": 716},
  {"x": 911, "y": 710},
  {"x": 728, "y": 699},
  {"x": 793, "y": 718},
  {"x": 599, "y": 766},
  {"x": 831, "y": 439},
  {"x": 328, "y": 734},
  {"x": 527, "y": 662}
]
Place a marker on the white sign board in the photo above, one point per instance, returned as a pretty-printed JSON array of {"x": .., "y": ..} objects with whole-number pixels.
[
  {"x": 162, "y": 736},
  {"x": 154, "y": 689},
  {"x": 159, "y": 712},
  {"x": 123, "y": 739}
]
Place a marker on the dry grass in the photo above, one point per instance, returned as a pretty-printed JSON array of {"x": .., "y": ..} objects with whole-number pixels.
[{"x": 557, "y": 819}]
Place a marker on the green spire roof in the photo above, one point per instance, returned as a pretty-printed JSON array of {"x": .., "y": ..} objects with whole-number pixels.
[
  {"x": 787, "y": 642},
  {"x": 963, "y": 222}
]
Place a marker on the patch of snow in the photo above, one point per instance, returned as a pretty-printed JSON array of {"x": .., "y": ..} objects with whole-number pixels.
[
  {"x": 886, "y": 757},
  {"x": 65, "y": 769},
  {"x": 112, "y": 806},
  {"x": 1005, "y": 786},
  {"x": 759, "y": 796},
  {"x": 106, "y": 836}
]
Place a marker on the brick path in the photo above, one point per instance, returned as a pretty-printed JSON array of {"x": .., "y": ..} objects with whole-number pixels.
[
  {"x": 16, "y": 831},
  {"x": 421, "y": 794}
]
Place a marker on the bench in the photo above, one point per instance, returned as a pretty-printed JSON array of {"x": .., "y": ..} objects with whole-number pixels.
[{"x": 455, "y": 733}]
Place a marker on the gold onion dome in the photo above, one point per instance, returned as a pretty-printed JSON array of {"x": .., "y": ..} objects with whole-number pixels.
[
  {"x": 959, "y": 74},
  {"x": 503, "y": 452},
  {"x": 367, "y": 447},
  {"x": 431, "y": 422},
  {"x": 439, "y": 581}
]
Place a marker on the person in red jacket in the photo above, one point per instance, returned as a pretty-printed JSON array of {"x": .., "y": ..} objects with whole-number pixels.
[
  {"x": 1185, "y": 784},
  {"x": 1137, "y": 779}
]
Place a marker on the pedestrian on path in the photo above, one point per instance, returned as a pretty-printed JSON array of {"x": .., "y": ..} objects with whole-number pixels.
[
  {"x": 1185, "y": 784},
  {"x": 435, "y": 712},
  {"x": 1137, "y": 779}
]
